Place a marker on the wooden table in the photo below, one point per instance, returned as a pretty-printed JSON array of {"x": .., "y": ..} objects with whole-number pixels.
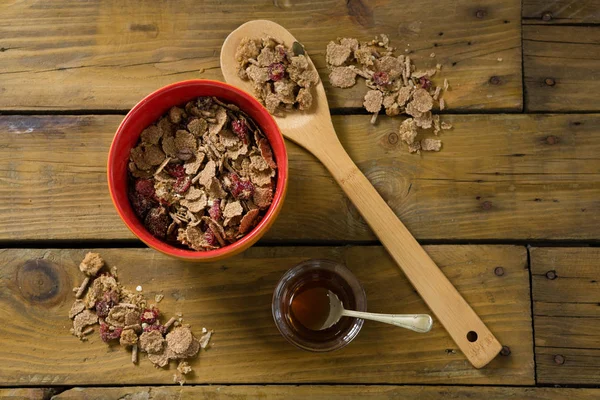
[{"x": 510, "y": 208}]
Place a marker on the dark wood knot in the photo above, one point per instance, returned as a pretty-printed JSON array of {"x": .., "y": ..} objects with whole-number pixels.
[{"x": 40, "y": 281}]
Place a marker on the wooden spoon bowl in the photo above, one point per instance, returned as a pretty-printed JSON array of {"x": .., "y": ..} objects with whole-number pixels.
[{"x": 313, "y": 130}]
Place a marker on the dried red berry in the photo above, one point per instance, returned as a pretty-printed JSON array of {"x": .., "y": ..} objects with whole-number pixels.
[
  {"x": 175, "y": 170},
  {"x": 240, "y": 129},
  {"x": 140, "y": 204},
  {"x": 111, "y": 298},
  {"x": 107, "y": 335},
  {"x": 156, "y": 327},
  {"x": 210, "y": 237},
  {"x": 102, "y": 308},
  {"x": 241, "y": 189},
  {"x": 215, "y": 210},
  {"x": 425, "y": 82},
  {"x": 150, "y": 315},
  {"x": 381, "y": 78},
  {"x": 157, "y": 222},
  {"x": 276, "y": 71},
  {"x": 182, "y": 184},
  {"x": 145, "y": 187}
]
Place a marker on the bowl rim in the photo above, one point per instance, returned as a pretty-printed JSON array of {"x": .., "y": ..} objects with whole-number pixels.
[{"x": 231, "y": 249}]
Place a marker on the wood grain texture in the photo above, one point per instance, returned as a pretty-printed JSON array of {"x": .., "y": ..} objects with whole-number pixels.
[
  {"x": 561, "y": 68},
  {"x": 234, "y": 298},
  {"x": 558, "y": 12},
  {"x": 71, "y": 55},
  {"x": 497, "y": 177},
  {"x": 566, "y": 314},
  {"x": 327, "y": 392},
  {"x": 24, "y": 393}
]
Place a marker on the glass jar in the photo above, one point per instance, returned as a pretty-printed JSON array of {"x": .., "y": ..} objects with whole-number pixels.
[{"x": 318, "y": 274}]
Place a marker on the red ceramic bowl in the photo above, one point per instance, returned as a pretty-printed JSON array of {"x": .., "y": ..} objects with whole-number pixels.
[{"x": 148, "y": 111}]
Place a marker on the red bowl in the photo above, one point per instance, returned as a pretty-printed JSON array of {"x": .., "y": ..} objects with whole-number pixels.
[{"x": 150, "y": 109}]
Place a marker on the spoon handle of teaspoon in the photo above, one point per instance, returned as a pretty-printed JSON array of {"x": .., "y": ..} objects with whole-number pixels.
[
  {"x": 415, "y": 322},
  {"x": 462, "y": 323}
]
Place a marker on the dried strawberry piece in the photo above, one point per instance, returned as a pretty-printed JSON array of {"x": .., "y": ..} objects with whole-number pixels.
[
  {"x": 156, "y": 327},
  {"x": 241, "y": 189},
  {"x": 111, "y": 298},
  {"x": 276, "y": 71},
  {"x": 240, "y": 129},
  {"x": 157, "y": 222},
  {"x": 140, "y": 204},
  {"x": 182, "y": 184},
  {"x": 102, "y": 309},
  {"x": 145, "y": 187},
  {"x": 150, "y": 315},
  {"x": 210, "y": 237},
  {"x": 381, "y": 78},
  {"x": 107, "y": 335},
  {"x": 215, "y": 210},
  {"x": 425, "y": 82},
  {"x": 175, "y": 170}
]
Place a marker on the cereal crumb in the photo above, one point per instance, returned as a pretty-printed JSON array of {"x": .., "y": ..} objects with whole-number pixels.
[
  {"x": 138, "y": 288},
  {"x": 91, "y": 264},
  {"x": 431, "y": 144}
]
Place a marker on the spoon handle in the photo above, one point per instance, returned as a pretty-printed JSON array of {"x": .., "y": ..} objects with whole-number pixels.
[
  {"x": 462, "y": 323},
  {"x": 415, "y": 322}
]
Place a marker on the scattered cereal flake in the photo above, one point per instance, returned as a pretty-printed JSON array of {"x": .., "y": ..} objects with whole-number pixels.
[
  {"x": 422, "y": 100},
  {"x": 91, "y": 264},
  {"x": 373, "y": 101},
  {"x": 77, "y": 307},
  {"x": 431, "y": 144},
  {"x": 82, "y": 320},
  {"x": 195, "y": 205},
  {"x": 205, "y": 339},
  {"x": 179, "y": 340},
  {"x": 414, "y": 147},
  {"x": 152, "y": 342},
  {"x": 160, "y": 359},
  {"x": 304, "y": 99},
  {"x": 404, "y": 94},
  {"x": 442, "y": 104},
  {"x": 363, "y": 56},
  {"x": 425, "y": 120},
  {"x": 436, "y": 124},
  {"x": 337, "y": 54},
  {"x": 408, "y": 130},
  {"x": 445, "y": 84},
  {"x": 342, "y": 77},
  {"x": 248, "y": 48},
  {"x": 350, "y": 43},
  {"x": 128, "y": 338}
]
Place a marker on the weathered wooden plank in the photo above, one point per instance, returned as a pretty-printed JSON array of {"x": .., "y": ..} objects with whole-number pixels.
[
  {"x": 69, "y": 54},
  {"x": 561, "y": 12},
  {"x": 566, "y": 299},
  {"x": 328, "y": 392},
  {"x": 497, "y": 177},
  {"x": 24, "y": 393},
  {"x": 561, "y": 67},
  {"x": 234, "y": 298}
]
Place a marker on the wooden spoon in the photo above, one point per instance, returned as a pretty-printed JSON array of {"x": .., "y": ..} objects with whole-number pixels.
[{"x": 314, "y": 131}]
